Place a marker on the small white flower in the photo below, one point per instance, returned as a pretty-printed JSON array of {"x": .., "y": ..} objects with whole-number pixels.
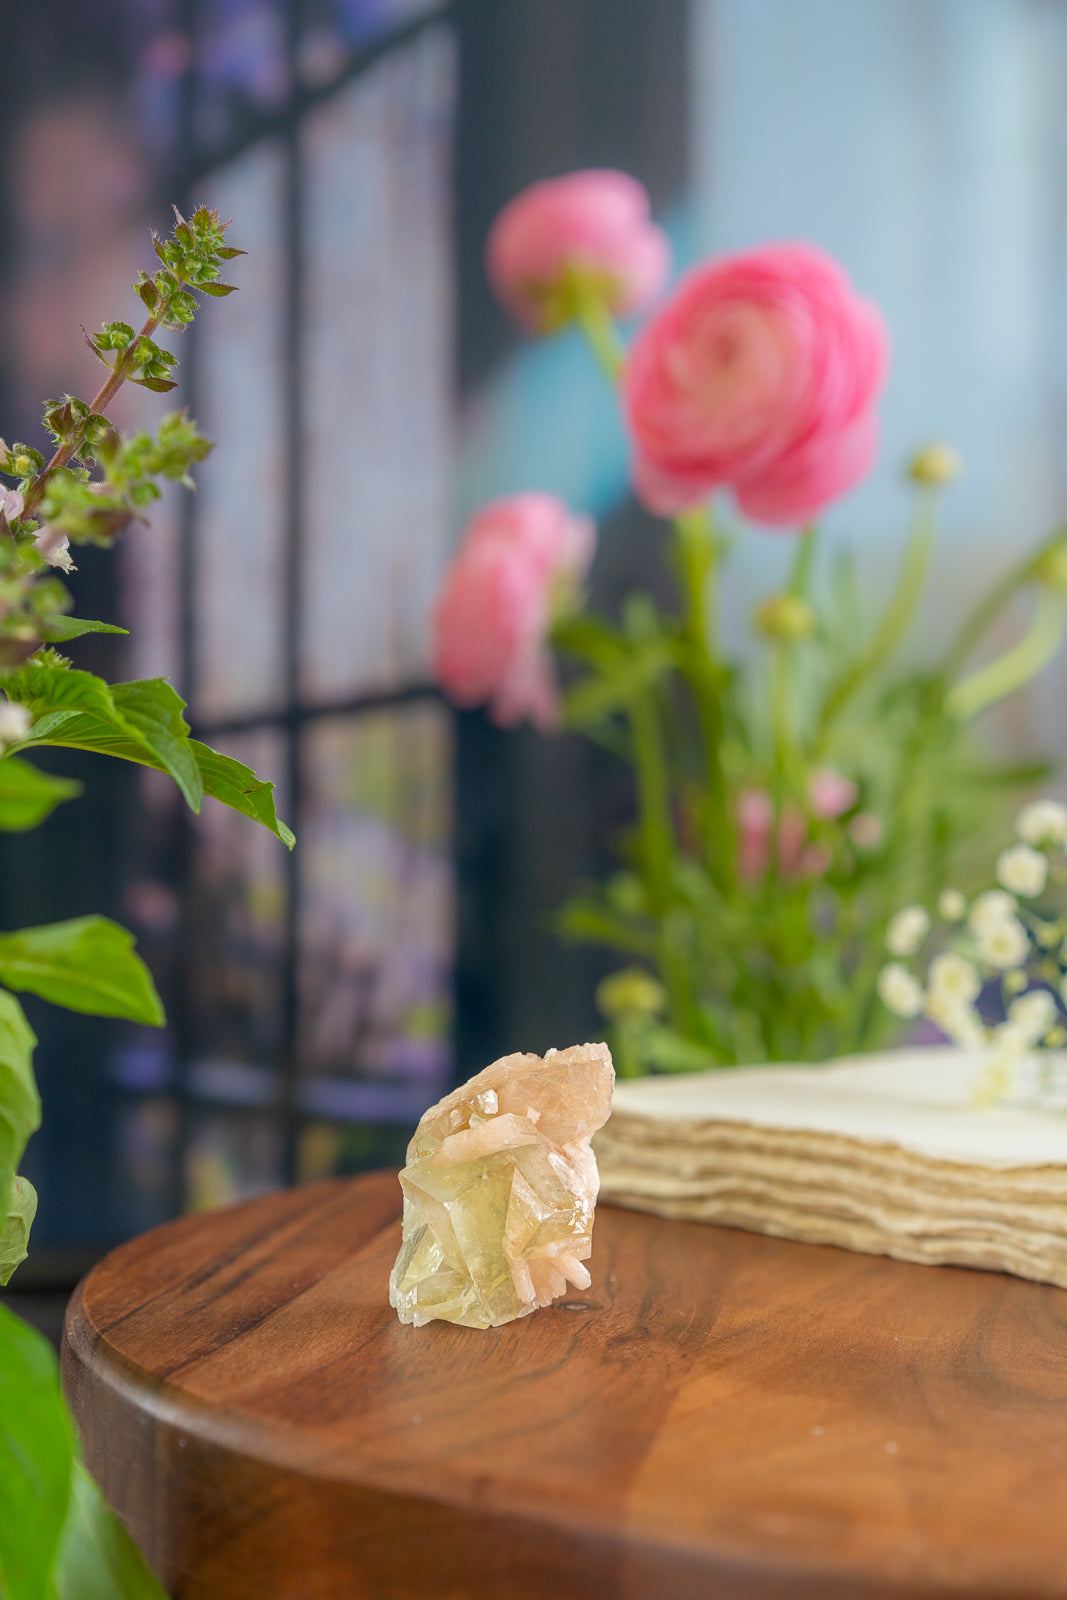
[
  {"x": 956, "y": 1018},
  {"x": 1004, "y": 944},
  {"x": 952, "y": 905},
  {"x": 1032, "y": 1015},
  {"x": 1022, "y": 869},
  {"x": 55, "y": 548},
  {"x": 990, "y": 908},
  {"x": 1042, "y": 822},
  {"x": 15, "y": 722},
  {"x": 906, "y": 931},
  {"x": 899, "y": 991},
  {"x": 11, "y": 504},
  {"x": 952, "y": 978}
]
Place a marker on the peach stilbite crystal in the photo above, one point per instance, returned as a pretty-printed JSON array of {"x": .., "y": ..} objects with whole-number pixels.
[{"x": 500, "y": 1188}]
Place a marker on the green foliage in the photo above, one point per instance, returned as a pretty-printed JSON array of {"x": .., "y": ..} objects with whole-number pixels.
[
  {"x": 97, "y": 1559},
  {"x": 238, "y": 787},
  {"x": 58, "y": 1539},
  {"x": 15, "y": 1226},
  {"x": 20, "y": 1104},
  {"x": 28, "y": 796},
  {"x": 86, "y": 964},
  {"x": 140, "y": 721},
  {"x": 36, "y": 1462},
  {"x": 776, "y": 956}
]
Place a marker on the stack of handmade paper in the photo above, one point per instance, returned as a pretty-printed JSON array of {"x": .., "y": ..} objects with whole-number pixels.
[{"x": 883, "y": 1153}]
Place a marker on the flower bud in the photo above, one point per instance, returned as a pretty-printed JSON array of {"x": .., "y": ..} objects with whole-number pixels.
[
  {"x": 630, "y": 992},
  {"x": 23, "y": 465},
  {"x": 935, "y": 465},
  {"x": 785, "y": 617}
]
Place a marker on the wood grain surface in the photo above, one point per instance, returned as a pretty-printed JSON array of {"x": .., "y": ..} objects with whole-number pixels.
[{"x": 721, "y": 1415}]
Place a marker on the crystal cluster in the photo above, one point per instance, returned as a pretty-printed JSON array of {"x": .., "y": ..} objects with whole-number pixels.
[{"x": 500, "y": 1188}]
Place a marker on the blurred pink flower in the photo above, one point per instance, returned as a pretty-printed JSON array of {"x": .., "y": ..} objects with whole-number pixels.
[
  {"x": 830, "y": 794},
  {"x": 760, "y": 373},
  {"x": 597, "y": 222},
  {"x": 521, "y": 561},
  {"x": 755, "y": 822}
]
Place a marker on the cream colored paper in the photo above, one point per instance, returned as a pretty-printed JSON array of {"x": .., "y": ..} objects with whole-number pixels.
[{"x": 883, "y": 1153}]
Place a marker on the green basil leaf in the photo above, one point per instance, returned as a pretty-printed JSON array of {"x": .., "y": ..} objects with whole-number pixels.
[
  {"x": 238, "y": 787},
  {"x": 86, "y": 964},
  {"x": 15, "y": 1231},
  {"x": 140, "y": 721},
  {"x": 65, "y": 628},
  {"x": 20, "y": 1104},
  {"x": 36, "y": 1457},
  {"x": 28, "y": 795},
  {"x": 97, "y": 1558}
]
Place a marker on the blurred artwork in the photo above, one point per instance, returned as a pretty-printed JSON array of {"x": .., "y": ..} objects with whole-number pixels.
[
  {"x": 376, "y": 913},
  {"x": 237, "y": 932},
  {"x": 377, "y": 371},
  {"x": 230, "y": 1157},
  {"x": 240, "y": 509}
]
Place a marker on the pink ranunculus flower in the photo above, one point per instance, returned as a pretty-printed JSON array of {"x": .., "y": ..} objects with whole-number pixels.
[
  {"x": 597, "y": 223},
  {"x": 760, "y": 374},
  {"x": 521, "y": 561}
]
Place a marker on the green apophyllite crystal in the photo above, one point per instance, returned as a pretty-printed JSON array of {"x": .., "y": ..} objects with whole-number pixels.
[{"x": 500, "y": 1188}]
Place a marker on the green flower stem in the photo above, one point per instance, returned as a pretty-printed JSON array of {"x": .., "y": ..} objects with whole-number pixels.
[
  {"x": 985, "y": 613},
  {"x": 655, "y": 829},
  {"x": 601, "y": 330},
  {"x": 895, "y": 619},
  {"x": 698, "y": 553},
  {"x": 656, "y": 847},
  {"x": 803, "y": 557},
  {"x": 1018, "y": 665},
  {"x": 788, "y": 762},
  {"x": 120, "y": 371},
  {"x": 781, "y": 729}
]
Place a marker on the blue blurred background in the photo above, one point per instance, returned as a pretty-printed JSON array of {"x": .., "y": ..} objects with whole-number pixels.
[{"x": 368, "y": 394}]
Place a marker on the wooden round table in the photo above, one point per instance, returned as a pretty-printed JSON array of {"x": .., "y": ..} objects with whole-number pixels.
[{"x": 720, "y": 1415}]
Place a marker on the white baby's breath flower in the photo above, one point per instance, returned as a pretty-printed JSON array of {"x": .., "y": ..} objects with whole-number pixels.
[
  {"x": 15, "y": 722},
  {"x": 899, "y": 991},
  {"x": 1022, "y": 869},
  {"x": 990, "y": 908},
  {"x": 1004, "y": 944},
  {"x": 906, "y": 931},
  {"x": 952, "y": 978},
  {"x": 952, "y": 905},
  {"x": 957, "y": 1019},
  {"x": 1032, "y": 1015},
  {"x": 1042, "y": 822}
]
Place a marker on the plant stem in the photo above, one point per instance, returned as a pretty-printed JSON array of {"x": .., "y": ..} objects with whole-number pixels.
[
  {"x": 895, "y": 619},
  {"x": 655, "y": 830},
  {"x": 989, "y": 608},
  {"x": 1018, "y": 665},
  {"x": 103, "y": 397},
  {"x": 787, "y": 763},
  {"x": 697, "y": 558},
  {"x": 601, "y": 329}
]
